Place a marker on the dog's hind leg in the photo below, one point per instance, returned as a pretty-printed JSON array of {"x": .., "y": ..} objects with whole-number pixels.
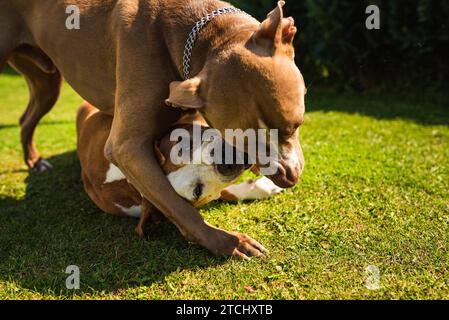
[
  {"x": 5, "y": 49},
  {"x": 11, "y": 31},
  {"x": 43, "y": 80},
  {"x": 44, "y": 92}
]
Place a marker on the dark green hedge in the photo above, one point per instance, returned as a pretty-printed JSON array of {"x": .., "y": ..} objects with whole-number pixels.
[{"x": 411, "y": 48}]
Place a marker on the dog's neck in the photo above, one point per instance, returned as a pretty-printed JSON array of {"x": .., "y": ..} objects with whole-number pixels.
[{"x": 221, "y": 31}]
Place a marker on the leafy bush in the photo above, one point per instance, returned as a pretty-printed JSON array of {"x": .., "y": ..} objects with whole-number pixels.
[{"x": 334, "y": 45}]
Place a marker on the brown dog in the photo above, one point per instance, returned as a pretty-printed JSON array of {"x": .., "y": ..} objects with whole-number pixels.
[
  {"x": 199, "y": 184},
  {"x": 127, "y": 58}
]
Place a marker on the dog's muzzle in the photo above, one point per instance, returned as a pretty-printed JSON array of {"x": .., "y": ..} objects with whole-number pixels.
[{"x": 288, "y": 170}]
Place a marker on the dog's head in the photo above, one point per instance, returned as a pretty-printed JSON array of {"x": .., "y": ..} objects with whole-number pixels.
[
  {"x": 254, "y": 84},
  {"x": 198, "y": 181}
]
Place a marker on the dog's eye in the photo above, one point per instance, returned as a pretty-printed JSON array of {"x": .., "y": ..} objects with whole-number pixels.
[{"x": 198, "y": 191}]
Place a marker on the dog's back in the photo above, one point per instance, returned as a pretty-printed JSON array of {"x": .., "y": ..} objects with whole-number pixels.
[{"x": 104, "y": 183}]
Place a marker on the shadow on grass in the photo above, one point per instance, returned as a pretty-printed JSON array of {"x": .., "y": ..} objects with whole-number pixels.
[
  {"x": 8, "y": 70},
  {"x": 8, "y": 126},
  {"x": 47, "y": 123},
  {"x": 55, "y": 225},
  {"x": 426, "y": 109}
]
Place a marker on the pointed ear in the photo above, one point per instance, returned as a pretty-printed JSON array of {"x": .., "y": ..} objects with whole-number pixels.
[
  {"x": 276, "y": 28},
  {"x": 288, "y": 30},
  {"x": 185, "y": 94}
]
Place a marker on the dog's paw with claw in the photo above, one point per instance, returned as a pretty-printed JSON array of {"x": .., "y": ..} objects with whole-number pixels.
[
  {"x": 234, "y": 244},
  {"x": 42, "y": 166},
  {"x": 248, "y": 247}
]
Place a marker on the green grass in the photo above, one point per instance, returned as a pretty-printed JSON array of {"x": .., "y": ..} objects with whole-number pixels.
[{"x": 374, "y": 192}]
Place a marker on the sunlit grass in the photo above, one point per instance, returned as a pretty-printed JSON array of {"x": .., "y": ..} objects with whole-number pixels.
[{"x": 374, "y": 192}]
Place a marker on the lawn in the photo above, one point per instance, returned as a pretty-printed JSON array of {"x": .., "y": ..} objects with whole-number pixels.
[{"x": 374, "y": 193}]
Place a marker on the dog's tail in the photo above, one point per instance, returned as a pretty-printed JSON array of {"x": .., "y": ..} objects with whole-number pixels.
[{"x": 84, "y": 112}]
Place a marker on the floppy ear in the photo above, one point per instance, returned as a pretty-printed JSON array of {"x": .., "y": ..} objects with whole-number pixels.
[
  {"x": 185, "y": 94},
  {"x": 276, "y": 28}
]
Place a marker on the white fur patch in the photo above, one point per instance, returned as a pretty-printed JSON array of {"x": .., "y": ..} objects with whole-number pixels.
[
  {"x": 254, "y": 189},
  {"x": 114, "y": 174},
  {"x": 292, "y": 159},
  {"x": 185, "y": 179},
  {"x": 290, "y": 155},
  {"x": 134, "y": 211}
]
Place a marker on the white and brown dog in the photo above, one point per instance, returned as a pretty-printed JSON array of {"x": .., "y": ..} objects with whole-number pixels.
[{"x": 199, "y": 184}]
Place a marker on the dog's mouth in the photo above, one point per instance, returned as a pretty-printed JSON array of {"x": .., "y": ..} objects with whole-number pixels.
[
  {"x": 283, "y": 181},
  {"x": 285, "y": 176}
]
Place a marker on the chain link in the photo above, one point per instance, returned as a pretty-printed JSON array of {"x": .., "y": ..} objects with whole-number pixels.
[{"x": 187, "y": 58}]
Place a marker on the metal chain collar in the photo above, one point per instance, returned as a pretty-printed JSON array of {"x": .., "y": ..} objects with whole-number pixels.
[{"x": 187, "y": 58}]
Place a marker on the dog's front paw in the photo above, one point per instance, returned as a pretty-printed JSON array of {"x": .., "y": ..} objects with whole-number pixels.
[
  {"x": 41, "y": 166},
  {"x": 248, "y": 247},
  {"x": 268, "y": 187},
  {"x": 234, "y": 244}
]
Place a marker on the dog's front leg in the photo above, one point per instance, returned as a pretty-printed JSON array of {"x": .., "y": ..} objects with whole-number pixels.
[
  {"x": 143, "y": 171},
  {"x": 130, "y": 148}
]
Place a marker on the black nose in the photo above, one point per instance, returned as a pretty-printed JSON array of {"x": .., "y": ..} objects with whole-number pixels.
[
  {"x": 247, "y": 161},
  {"x": 233, "y": 162},
  {"x": 230, "y": 155},
  {"x": 230, "y": 170}
]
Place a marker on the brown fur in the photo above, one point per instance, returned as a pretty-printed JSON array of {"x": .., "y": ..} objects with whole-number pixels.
[
  {"x": 93, "y": 128},
  {"x": 128, "y": 54},
  {"x": 228, "y": 196}
]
